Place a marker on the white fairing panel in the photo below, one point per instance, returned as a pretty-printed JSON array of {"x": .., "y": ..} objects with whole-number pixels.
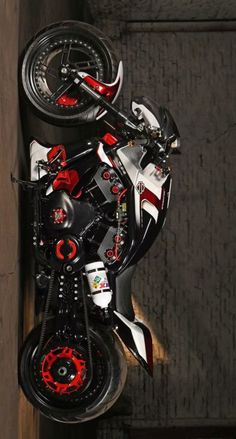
[
  {"x": 102, "y": 155},
  {"x": 37, "y": 152},
  {"x": 143, "y": 113},
  {"x": 148, "y": 178},
  {"x": 137, "y": 334},
  {"x": 151, "y": 179}
]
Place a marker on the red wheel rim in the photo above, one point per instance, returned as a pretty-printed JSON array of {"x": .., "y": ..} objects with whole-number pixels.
[{"x": 63, "y": 370}]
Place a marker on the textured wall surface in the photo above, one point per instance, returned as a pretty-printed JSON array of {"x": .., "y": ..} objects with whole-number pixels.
[
  {"x": 8, "y": 222},
  {"x": 186, "y": 283},
  {"x": 163, "y": 9}
]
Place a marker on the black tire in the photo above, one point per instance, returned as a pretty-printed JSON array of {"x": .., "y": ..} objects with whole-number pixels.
[
  {"x": 41, "y": 74},
  {"x": 96, "y": 395}
]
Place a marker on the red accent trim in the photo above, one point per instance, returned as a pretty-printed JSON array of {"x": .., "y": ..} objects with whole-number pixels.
[
  {"x": 147, "y": 195},
  {"x": 109, "y": 139},
  {"x": 78, "y": 195},
  {"x": 67, "y": 100},
  {"x": 66, "y": 180},
  {"x": 104, "y": 89},
  {"x": 112, "y": 162},
  {"x": 72, "y": 254},
  {"x": 121, "y": 195},
  {"x": 59, "y": 245},
  {"x": 149, "y": 352},
  {"x": 67, "y": 353},
  {"x": 55, "y": 150}
]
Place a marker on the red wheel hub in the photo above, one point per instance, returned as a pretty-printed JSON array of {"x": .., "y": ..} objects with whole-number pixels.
[{"x": 63, "y": 370}]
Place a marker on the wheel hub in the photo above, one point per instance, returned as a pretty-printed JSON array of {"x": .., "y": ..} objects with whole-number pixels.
[
  {"x": 65, "y": 70},
  {"x": 63, "y": 370},
  {"x": 56, "y": 61}
]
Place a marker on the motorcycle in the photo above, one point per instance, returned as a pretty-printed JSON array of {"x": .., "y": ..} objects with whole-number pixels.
[{"x": 98, "y": 205}]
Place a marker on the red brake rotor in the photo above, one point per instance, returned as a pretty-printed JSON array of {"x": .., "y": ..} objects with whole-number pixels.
[{"x": 63, "y": 370}]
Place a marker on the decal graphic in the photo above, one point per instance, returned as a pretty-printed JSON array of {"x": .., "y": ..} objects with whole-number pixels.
[
  {"x": 99, "y": 283},
  {"x": 58, "y": 216},
  {"x": 140, "y": 187},
  {"x": 149, "y": 196},
  {"x": 149, "y": 201}
]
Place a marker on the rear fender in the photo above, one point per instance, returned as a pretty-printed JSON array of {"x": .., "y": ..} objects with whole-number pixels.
[{"x": 137, "y": 338}]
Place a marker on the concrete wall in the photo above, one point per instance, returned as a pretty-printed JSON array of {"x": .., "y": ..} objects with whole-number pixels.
[
  {"x": 185, "y": 286},
  {"x": 124, "y": 10}
]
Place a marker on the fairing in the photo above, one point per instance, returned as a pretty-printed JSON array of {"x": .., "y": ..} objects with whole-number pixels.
[{"x": 115, "y": 175}]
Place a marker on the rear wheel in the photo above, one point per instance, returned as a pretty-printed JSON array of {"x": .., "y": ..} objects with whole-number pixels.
[
  {"x": 49, "y": 59},
  {"x": 59, "y": 381}
]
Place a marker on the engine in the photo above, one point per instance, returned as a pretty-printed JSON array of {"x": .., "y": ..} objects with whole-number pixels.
[{"x": 86, "y": 224}]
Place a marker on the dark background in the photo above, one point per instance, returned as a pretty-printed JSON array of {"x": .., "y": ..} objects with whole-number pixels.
[{"x": 182, "y": 53}]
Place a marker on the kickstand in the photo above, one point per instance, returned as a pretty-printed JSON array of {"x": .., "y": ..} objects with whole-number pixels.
[{"x": 25, "y": 184}]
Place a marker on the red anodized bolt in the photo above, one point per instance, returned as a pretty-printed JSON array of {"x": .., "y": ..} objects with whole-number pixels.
[
  {"x": 106, "y": 175},
  {"x": 117, "y": 238},
  {"x": 115, "y": 189},
  {"x": 109, "y": 253}
]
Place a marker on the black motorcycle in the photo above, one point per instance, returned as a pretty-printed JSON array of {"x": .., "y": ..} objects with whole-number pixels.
[{"x": 98, "y": 206}]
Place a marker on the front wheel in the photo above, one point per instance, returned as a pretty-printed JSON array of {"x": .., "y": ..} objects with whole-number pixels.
[
  {"x": 59, "y": 381},
  {"x": 50, "y": 57}
]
